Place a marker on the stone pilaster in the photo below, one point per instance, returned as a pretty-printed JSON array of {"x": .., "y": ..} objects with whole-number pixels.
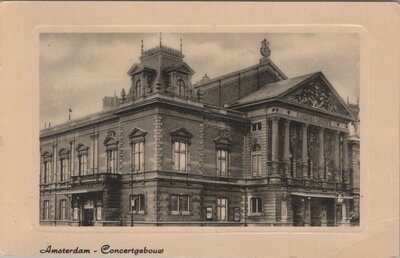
[
  {"x": 158, "y": 142},
  {"x": 201, "y": 147}
]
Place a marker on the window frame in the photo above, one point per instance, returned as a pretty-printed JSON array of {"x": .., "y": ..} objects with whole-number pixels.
[
  {"x": 140, "y": 205},
  {"x": 46, "y": 210},
  {"x": 63, "y": 209},
  {"x": 179, "y": 198},
  {"x": 63, "y": 169},
  {"x": 138, "y": 88},
  {"x": 256, "y": 154},
  {"x": 82, "y": 166},
  {"x": 177, "y": 155},
  {"x": 222, "y": 207},
  {"x": 256, "y": 126},
  {"x": 223, "y": 160},
  {"x": 256, "y": 203},
  {"x": 112, "y": 161},
  {"x": 47, "y": 171}
]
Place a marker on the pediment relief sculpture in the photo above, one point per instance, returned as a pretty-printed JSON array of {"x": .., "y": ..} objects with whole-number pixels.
[{"x": 316, "y": 94}]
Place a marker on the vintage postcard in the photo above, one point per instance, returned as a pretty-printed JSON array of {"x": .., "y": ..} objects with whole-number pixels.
[{"x": 225, "y": 137}]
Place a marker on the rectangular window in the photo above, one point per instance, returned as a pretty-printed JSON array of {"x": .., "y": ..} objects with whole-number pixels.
[
  {"x": 82, "y": 165},
  {"x": 256, "y": 127},
  {"x": 46, "y": 210},
  {"x": 180, "y": 203},
  {"x": 138, "y": 156},
  {"x": 209, "y": 213},
  {"x": 112, "y": 161},
  {"x": 63, "y": 169},
  {"x": 137, "y": 203},
  {"x": 236, "y": 214},
  {"x": 63, "y": 209},
  {"x": 47, "y": 171},
  {"x": 222, "y": 207},
  {"x": 222, "y": 162},
  {"x": 180, "y": 156},
  {"x": 255, "y": 205}
]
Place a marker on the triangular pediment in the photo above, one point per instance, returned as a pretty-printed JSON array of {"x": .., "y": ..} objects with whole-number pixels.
[
  {"x": 137, "y": 68},
  {"x": 317, "y": 93},
  {"x": 181, "y": 132},
  {"x": 137, "y": 132},
  {"x": 182, "y": 68}
]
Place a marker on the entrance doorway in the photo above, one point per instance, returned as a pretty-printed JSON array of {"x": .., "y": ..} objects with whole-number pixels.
[{"x": 88, "y": 217}]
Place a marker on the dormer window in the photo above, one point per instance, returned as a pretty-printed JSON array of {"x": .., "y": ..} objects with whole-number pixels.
[
  {"x": 181, "y": 88},
  {"x": 138, "y": 89}
]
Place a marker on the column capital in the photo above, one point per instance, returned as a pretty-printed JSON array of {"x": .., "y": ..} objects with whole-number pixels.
[
  {"x": 287, "y": 121},
  {"x": 304, "y": 126},
  {"x": 275, "y": 118}
]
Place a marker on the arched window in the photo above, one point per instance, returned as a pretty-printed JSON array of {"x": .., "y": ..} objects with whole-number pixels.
[
  {"x": 223, "y": 147},
  {"x": 256, "y": 160},
  {"x": 47, "y": 164},
  {"x": 138, "y": 88},
  {"x": 181, "y": 88},
  {"x": 112, "y": 150},
  {"x": 64, "y": 157},
  {"x": 82, "y": 151}
]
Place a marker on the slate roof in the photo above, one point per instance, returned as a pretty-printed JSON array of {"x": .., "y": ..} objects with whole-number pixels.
[{"x": 272, "y": 90}]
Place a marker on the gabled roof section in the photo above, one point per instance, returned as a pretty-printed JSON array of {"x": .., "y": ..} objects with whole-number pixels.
[
  {"x": 183, "y": 67},
  {"x": 271, "y": 90},
  {"x": 274, "y": 68},
  {"x": 310, "y": 90}
]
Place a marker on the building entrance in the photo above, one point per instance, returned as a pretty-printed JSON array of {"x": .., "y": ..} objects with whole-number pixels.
[{"x": 88, "y": 217}]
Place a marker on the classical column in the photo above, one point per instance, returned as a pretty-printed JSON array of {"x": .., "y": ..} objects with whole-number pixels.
[
  {"x": 336, "y": 157},
  {"x": 321, "y": 158},
  {"x": 274, "y": 145},
  {"x": 345, "y": 159},
  {"x": 286, "y": 149},
  {"x": 304, "y": 152}
]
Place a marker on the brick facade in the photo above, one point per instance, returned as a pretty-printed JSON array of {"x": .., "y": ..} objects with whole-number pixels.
[{"x": 151, "y": 158}]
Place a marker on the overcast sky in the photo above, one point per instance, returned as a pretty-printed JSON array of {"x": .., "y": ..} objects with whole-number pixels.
[{"x": 77, "y": 70}]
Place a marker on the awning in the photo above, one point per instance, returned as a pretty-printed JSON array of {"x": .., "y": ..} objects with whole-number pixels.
[
  {"x": 319, "y": 195},
  {"x": 81, "y": 191}
]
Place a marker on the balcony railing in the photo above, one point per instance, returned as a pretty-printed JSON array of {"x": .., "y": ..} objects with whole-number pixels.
[{"x": 102, "y": 178}]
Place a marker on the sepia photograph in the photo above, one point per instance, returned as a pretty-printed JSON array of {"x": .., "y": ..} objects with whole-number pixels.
[{"x": 199, "y": 129}]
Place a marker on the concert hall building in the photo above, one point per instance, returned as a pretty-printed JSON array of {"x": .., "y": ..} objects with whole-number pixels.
[{"x": 251, "y": 147}]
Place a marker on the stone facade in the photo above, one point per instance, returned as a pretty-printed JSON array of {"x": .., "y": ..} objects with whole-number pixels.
[{"x": 248, "y": 148}]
